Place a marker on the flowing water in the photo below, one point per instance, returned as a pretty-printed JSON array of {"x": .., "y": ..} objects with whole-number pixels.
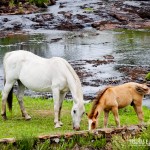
[{"x": 128, "y": 47}]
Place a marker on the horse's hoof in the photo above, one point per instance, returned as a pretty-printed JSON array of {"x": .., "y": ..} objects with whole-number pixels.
[
  {"x": 57, "y": 125},
  {"x": 61, "y": 124},
  {"x": 27, "y": 118},
  {"x": 4, "y": 117}
]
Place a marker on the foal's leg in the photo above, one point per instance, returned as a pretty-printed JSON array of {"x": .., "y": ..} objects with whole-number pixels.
[
  {"x": 20, "y": 94},
  {"x": 139, "y": 112},
  {"x": 7, "y": 88},
  {"x": 116, "y": 115},
  {"x": 62, "y": 96},
  {"x": 106, "y": 114},
  {"x": 56, "y": 96}
]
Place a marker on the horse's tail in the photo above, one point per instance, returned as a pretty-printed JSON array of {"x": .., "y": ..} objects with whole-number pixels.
[
  {"x": 10, "y": 95},
  {"x": 142, "y": 89},
  {"x": 96, "y": 101}
]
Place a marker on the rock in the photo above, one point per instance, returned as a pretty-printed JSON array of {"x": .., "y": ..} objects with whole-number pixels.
[
  {"x": 17, "y": 25},
  {"x": 8, "y": 140}
]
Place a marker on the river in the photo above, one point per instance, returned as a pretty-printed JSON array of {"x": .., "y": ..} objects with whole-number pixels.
[{"x": 125, "y": 47}]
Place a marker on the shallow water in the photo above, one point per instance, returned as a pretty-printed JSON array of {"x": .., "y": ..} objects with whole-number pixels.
[{"x": 126, "y": 46}]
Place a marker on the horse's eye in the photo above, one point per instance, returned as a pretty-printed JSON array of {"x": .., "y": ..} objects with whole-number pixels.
[
  {"x": 74, "y": 111},
  {"x": 83, "y": 113}
]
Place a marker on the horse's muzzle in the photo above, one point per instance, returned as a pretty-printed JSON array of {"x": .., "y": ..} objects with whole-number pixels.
[{"x": 76, "y": 128}]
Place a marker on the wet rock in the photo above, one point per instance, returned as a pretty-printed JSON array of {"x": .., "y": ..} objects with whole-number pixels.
[
  {"x": 5, "y": 20},
  {"x": 51, "y": 2},
  {"x": 55, "y": 40},
  {"x": 68, "y": 15},
  {"x": 17, "y": 25},
  {"x": 108, "y": 57},
  {"x": 142, "y": 8},
  {"x": 135, "y": 73},
  {"x": 69, "y": 26}
]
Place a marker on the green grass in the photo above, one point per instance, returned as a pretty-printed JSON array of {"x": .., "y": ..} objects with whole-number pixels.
[{"x": 42, "y": 114}]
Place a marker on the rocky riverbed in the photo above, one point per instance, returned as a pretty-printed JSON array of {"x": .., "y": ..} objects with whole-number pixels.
[{"x": 77, "y": 14}]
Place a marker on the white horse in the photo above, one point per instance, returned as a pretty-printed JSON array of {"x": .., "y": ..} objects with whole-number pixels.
[{"x": 42, "y": 75}]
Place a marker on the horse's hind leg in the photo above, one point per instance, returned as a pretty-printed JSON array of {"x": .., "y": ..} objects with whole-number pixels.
[
  {"x": 20, "y": 94},
  {"x": 106, "y": 114},
  {"x": 139, "y": 112},
  {"x": 116, "y": 115},
  {"x": 7, "y": 89}
]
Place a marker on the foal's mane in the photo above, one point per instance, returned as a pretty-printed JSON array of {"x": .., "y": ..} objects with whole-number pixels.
[{"x": 96, "y": 102}]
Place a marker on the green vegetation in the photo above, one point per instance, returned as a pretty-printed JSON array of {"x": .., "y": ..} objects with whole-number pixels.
[
  {"x": 13, "y": 3},
  {"x": 41, "y": 111},
  {"x": 147, "y": 77},
  {"x": 88, "y": 9},
  {"x": 141, "y": 142},
  {"x": 38, "y": 2}
]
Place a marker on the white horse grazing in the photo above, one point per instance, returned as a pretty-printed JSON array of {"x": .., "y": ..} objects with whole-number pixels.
[{"x": 42, "y": 75}]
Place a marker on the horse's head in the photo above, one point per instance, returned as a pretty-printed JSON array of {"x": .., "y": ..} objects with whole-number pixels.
[
  {"x": 92, "y": 120},
  {"x": 77, "y": 112}
]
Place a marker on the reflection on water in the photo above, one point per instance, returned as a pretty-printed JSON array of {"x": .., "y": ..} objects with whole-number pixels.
[
  {"x": 128, "y": 47},
  {"x": 133, "y": 47},
  {"x": 70, "y": 45}
]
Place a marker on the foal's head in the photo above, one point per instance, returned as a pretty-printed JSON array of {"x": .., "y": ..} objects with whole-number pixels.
[
  {"x": 92, "y": 120},
  {"x": 93, "y": 115},
  {"x": 77, "y": 113}
]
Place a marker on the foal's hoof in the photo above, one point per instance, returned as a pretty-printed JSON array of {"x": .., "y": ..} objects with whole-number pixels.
[
  {"x": 142, "y": 123},
  {"x": 57, "y": 125},
  {"x": 27, "y": 118}
]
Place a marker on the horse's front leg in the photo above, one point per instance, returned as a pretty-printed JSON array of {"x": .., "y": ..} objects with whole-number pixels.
[
  {"x": 62, "y": 96},
  {"x": 20, "y": 94},
  {"x": 56, "y": 96},
  {"x": 106, "y": 114}
]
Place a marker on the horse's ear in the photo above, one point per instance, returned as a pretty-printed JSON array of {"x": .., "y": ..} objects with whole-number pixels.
[{"x": 96, "y": 115}]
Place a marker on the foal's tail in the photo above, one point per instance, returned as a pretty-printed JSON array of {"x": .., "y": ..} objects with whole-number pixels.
[{"x": 142, "y": 89}]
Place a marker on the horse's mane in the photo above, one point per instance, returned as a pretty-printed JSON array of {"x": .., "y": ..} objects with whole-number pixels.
[
  {"x": 76, "y": 77},
  {"x": 96, "y": 102},
  {"x": 142, "y": 89}
]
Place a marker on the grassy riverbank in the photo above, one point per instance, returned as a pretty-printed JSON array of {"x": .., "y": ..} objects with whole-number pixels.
[{"x": 41, "y": 111}]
